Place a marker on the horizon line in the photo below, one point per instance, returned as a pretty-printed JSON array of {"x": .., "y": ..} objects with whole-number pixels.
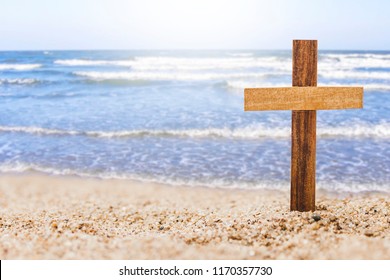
[{"x": 181, "y": 49}]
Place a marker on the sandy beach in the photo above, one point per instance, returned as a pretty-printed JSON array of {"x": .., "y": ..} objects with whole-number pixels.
[{"x": 48, "y": 217}]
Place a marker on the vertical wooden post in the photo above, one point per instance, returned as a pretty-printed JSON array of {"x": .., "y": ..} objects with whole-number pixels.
[{"x": 303, "y": 146}]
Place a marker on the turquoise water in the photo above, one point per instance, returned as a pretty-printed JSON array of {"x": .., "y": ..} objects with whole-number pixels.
[{"x": 177, "y": 117}]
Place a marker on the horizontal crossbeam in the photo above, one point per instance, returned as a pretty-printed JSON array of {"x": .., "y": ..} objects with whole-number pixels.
[{"x": 303, "y": 98}]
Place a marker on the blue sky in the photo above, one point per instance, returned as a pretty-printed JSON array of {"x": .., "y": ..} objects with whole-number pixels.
[{"x": 193, "y": 24}]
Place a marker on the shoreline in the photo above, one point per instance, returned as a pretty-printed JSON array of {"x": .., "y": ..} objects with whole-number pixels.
[
  {"x": 319, "y": 191},
  {"x": 69, "y": 217}
]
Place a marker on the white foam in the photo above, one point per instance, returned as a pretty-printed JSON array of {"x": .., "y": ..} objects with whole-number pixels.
[
  {"x": 19, "y": 67},
  {"x": 168, "y": 76},
  {"x": 380, "y": 87},
  {"x": 18, "y": 81},
  {"x": 360, "y": 131},
  {"x": 37, "y": 130},
  {"x": 237, "y": 61},
  {"x": 358, "y": 56},
  {"x": 351, "y": 61},
  {"x": 355, "y": 74},
  {"x": 235, "y": 67},
  {"x": 328, "y": 63},
  {"x": 186, "y": 64},
  {"x": 246, "y": 133},
  {"x": 353, "y": 187},
  {"x": 84, "y": 62},
  {"x": 366, "y": 86},
  {"x": 242, "y": 84},
  {"x": 332, "y": 66},
  {"x": 241, "y": 54},
  {"x": 249, "y": 132},
  {"x": 338, "y": 187}
]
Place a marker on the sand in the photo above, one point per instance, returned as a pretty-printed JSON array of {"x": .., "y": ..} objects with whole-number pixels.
[{"x": 48, "y": 217}]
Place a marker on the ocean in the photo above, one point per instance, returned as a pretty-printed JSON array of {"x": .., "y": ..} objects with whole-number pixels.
[{"x": 177, "y": 117}]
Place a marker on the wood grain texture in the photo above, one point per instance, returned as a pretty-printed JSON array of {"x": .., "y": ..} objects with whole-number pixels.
[
  {"x": 303, "y": 161},
  {"x": 303, "y": 98},
  {"x": 303, "y": 133},
  {"x": 304, "y": 72}
]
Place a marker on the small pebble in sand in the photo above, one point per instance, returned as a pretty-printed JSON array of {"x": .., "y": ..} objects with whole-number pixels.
[
  {"x": 316, "y": 217},
  {"x": 369, "y": 233}
]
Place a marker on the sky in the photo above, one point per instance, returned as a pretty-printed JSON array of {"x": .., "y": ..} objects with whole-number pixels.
[{"x": 193, "y": 24}]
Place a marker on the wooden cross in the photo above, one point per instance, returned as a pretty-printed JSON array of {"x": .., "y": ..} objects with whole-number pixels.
[{"x": 304, "y": 98}]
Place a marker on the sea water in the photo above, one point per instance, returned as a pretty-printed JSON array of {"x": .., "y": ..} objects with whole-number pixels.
[{"x": 177, "y": 117}]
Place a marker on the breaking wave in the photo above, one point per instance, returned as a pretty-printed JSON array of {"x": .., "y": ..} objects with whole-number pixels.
[
  {"x": 331, "y": 186},
  {"x": 84, "y": 62},
  {"x": 18, "y": 81},
  {"x": 327, "y": 62},
  {"x": 19, "y": 67},
  {"x": 356, "y": 75},
  {"x": 186, "y": 64},
  {"x": 249, "y": 132},
  {"x": 168, "y": 76}
]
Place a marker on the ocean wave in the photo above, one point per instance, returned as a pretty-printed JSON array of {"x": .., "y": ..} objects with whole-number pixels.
[
  {"x": 353, "y": 61},
  {"x": 18, "y": 81},
  {"x": 236, "y": 61},
  {"x": 37, "y": 130},
  {"x": 85, "y": 62},
  {"x": 248, "y": 132},
  {"x": 373, "y": 86},
  {"x": 328, "y": 186},
  {"x": 355, "y": 75},
  {"x": 234, "y": 79},
  {"x": 19, "y": 67},
  {"x": 168, "y": 76},
  {"x": 357, "y": 55},
  {"x": 356, "y": 131},
  {"x": 186, "y": 64},
  {"x": 241, "y": 54},
  {"x": 242, "y": 84}
]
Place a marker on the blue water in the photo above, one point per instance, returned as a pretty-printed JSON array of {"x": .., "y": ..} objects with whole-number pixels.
[{"x": 177, "y": 117}]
